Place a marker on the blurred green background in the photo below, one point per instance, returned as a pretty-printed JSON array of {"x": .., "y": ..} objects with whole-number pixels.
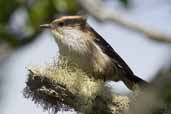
[{"x": 36, "y": 12}]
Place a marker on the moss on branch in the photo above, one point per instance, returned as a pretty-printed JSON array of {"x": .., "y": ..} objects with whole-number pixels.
[{"x": 64, "y": 88}]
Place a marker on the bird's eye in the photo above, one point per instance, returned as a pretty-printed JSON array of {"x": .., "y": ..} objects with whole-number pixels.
[{"x": 61, "y": 24}]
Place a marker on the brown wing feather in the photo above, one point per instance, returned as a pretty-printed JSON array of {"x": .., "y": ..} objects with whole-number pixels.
[{"x": 108, "y": 50}]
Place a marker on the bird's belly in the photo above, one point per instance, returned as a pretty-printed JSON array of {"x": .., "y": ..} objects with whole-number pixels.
[
  {"x": 97, "y": 65},
  {"x": 81, "y": 61}
]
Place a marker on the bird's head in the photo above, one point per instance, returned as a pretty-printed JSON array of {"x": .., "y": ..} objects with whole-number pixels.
[
  {"x": 70, "y": 33},
  {"x": 65, "y": 26}
]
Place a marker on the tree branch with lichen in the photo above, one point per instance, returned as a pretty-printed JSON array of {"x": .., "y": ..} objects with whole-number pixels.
[{"x": 65, "y": 88}]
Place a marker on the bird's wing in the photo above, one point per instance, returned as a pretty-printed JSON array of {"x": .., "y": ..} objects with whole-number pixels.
[{"x": 108, "y": 50}]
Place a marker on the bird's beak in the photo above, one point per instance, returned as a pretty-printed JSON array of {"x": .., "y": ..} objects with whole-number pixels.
[{"x": 48, "y": 26}]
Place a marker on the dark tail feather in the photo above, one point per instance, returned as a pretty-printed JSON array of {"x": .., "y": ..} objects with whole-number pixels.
[{"x": 133, "y": 81}]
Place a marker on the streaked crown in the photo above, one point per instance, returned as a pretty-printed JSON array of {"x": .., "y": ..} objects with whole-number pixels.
[{"x": 69, "y": 21}]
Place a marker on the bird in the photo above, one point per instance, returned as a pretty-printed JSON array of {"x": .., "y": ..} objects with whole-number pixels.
[{"x": 83, "y": 46}]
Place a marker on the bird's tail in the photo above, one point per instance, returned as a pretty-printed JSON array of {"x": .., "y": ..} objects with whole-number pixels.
[{"x": 133, "y": 82}]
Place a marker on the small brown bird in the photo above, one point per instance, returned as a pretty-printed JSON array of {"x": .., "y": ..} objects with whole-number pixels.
[{"x": 83, "y": 46}]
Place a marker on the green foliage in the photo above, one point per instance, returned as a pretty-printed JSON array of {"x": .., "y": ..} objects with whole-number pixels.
[
  {"x": 66, "y": 6},
  {"x": 37, "y": 11},
  {"x": 167, "y": 93},
  {"x": 125, "y": 3},
  {"x": 7, "y": 8},
  {"x": 72, "y": 6}
]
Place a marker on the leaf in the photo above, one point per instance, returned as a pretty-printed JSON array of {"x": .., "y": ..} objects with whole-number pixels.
[
  {"x": 40, "y": 12},
  {"x": 125, "y": 3},
  {"x": 7, "y": 7}
]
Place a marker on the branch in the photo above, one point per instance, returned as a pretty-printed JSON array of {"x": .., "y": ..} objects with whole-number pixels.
[
  {"x": 61, "y": 89},
  {"x": 157, "y": 98},
  {"x": 102, "y": 13},
  {"x": 64, "y": 86}
]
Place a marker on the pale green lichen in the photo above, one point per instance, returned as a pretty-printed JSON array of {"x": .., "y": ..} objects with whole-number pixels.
[
  {"x": 62, "y": 85},
  {"x": 75, "y": 80},
  {"x": 120, "y": 104},
  {"x": 77, "y": 83}
]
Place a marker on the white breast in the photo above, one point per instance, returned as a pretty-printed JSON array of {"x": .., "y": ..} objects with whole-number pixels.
[
  {"x": 74, "y": 41},
  {"x": 83, "y": 52}
]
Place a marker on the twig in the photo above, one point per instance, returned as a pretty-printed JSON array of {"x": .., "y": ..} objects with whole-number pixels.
[{"x": 102, "y": 13}]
